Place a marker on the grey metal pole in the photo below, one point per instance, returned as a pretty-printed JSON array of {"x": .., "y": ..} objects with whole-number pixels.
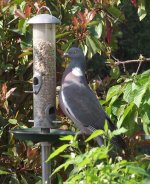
[{"x": 46, "y": 166}]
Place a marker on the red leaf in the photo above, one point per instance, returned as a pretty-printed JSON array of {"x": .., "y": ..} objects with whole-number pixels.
[
  {"x": 20, "y": 14},
  {"x": 27, "y": 10},
  {"x": 4, "y": 89},
  {"x": 8, "y": 94},
  {"x": 75, "y": 21},
  {"x": 80, "y": 22},
  {"x": 73, "y": 2},
  {"x": 3, "y": 2},
  {"x": 91, "y": 15},
  {"x": 134, "y": 2},
  {"x": 108, "y": 31},
  {"x": 32, "y": 153},
  {"x": 82, "y": 17}
]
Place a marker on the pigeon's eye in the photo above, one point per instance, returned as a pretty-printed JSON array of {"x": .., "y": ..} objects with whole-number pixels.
[{"x": 75, "y": 52}]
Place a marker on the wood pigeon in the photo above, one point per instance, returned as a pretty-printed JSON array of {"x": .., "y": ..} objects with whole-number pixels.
[{"x": 79, "y": 102}]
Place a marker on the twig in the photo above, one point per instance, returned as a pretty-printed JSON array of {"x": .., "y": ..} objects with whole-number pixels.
[
  {"x": 139, "y": 66},
  {"x": 132, "y": 61},
  {"x": 129, "y": 61}
]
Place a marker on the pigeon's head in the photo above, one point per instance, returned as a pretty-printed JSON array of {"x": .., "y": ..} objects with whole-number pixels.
[
  {"x": 76, "y": 56},
  {"x": 74, "y": 53}
]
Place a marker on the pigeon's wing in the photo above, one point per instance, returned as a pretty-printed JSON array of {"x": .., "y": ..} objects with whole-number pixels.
[{"x": 81, "y": 105}]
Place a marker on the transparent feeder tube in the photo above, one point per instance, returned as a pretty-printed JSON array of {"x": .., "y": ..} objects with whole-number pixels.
[{"x": 44, "y": 74}]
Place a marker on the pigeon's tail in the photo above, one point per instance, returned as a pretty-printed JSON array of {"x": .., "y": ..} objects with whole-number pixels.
[{"x": 119, "y": 142}]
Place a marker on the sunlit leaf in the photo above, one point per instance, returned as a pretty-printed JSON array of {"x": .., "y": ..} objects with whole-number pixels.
[
  {"x": 128, "y": 93},
  {"x": 112, "y": 92},
  {"x": 3, "y": 172},
  {"x": 126, "y": 112},
  {"x": 139, "y": 93},
  {"x": 119, "y": 131},
  {"x": 67, "y": 138},
  {"x": 12, "y": 121},
  {"x": 58, "y": 151},
  {"x": 138, "y": 170},
  {"x": 141, "y": 9},
  {"x": 25, "y": 54},
  {"x": 94, "y": 134}
]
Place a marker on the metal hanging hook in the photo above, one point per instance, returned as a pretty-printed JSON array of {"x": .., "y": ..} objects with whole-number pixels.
[{"x": 44, "y": 7}]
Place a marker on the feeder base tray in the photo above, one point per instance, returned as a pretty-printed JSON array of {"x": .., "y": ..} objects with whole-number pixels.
[{"x": 35, "y": 134}]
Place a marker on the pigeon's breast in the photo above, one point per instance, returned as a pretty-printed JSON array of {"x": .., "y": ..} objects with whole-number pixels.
[{"x": 71, "y": 79}]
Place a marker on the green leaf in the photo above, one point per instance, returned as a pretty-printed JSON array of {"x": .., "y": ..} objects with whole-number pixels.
[
  {"x": 120, "y": 110},
  {"x": 145, "y": 115},
  {"x": 14, "y": 180},
  {"x": 138, "y": 170},
  {"x": 128, "y": 96},
  {"x": 3, "y": 172},
  {"x": 126, "y": 112},
  {"x": 60, "y": 181},
  {"x": 12, "y": 121},
  {"x": 139, "y": 94},
  {"x": 115, "y": 12},
  {"x": 119, "y": 131},
  {"x": 94, "y": 134},
  {"x": 60, "y": 167},
  {"x": 144, "y": 77},
  {"x": 99, "y": 29},
  {"x": 106, "y": 126},
  {"x": 146, "y": 180},
  {"x": 39, "y": 182},
  {"x": 112, "y": 92},
  {"x": 141, "y": 9},
  {"x": 91, "y": 44},
  {"x": 24, "y": 54},
  {"x": 67, "y": 138},
  {"x": 23, "y": 180},
  {"x": 66, "y": 46},
  {"x": 96, "y": 31},
  {"x": 62, "y": 35},
  {"x": 22, "y": 26},
  {"x": 115, "y": 72},
  {"x": 58, "y": 151}
]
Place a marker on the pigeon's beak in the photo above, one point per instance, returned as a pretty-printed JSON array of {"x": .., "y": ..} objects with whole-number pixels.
[
  {"x": 66, "y": 55},
  {"x": 66, "y": 59}
]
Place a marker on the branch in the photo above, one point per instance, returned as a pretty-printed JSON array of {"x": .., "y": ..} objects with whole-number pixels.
[
  {"x": 138, "y": 61},
  {"x": 132, "y": 61}
]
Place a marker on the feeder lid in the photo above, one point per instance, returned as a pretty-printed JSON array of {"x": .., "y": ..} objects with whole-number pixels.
[{"x": 44, "y": 19}]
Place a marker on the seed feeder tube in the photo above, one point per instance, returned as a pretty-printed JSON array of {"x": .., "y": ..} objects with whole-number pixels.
[{"x": 44, "y": 69}]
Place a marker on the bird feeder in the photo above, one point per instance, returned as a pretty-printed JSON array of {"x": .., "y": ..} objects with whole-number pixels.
[
  {"x": 44, "y": 90},
  {"x": 44, "y": 69},
  {"x": 44, "y": 81}
]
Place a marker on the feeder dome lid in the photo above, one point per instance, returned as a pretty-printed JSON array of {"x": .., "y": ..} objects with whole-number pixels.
[{"x": 44, "y": 19}]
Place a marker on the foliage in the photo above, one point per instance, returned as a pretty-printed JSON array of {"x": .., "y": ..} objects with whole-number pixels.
[
  {"x": 129, "y": 102},
  {"x": 92, "y": 25},
  {"x": 95, "y": 166},
  {"x": 133, "y": 38}
]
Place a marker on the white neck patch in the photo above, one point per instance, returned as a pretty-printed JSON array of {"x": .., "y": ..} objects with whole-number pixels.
[{"x": 77, "y": 72}]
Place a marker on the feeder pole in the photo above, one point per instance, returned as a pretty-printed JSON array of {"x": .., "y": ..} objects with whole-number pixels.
[{"x": 44, "y": 82}]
